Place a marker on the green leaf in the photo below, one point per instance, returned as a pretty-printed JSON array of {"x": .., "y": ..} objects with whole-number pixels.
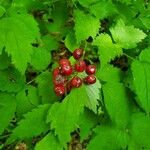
[
  {"x": 87, "y": 3},
  {"x": 145, "y": 55},
  {"x": 49, "y": 142},
  {"x": 93, "y": 93},
  {"x": 109, "y": 73},
  {"x": 49, "y": 42},
  {"x": 107, "y": 50},
  {"x": 2, "y": 11},
  {"x": 85, "y": 25},
  {"x": 59, "y": 16},
  {"x": 116, "y": 103},
  {"x": 108, "y": 138},
  {"x": 87, "y": 121},
  {"x": 11, "y": 80},
  {"x": 124, "y": 1},
  {"x": 17, "y": 33},
  {"x": 103, "y": 9},
  {"x": 127, "y": 36},
  {"x": 141, "y": 81},
  {"x": 27, "y": 128},
  {"x": 27, "y": 99},
  {"x": 140, "y": 130},
  {"x": 45, "y": 87},
  {"x": 4, "y": 60},
  {"x": 7, "y": 109},
  {"x": 64, "y": 116},
  {"x": 70, "y": 41},
  {"x": 41, "y": 58}
]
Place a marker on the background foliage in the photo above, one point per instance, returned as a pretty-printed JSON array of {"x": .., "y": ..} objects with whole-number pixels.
[{"x": 112, "y": 114}]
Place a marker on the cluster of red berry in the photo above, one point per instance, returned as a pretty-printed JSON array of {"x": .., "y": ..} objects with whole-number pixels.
[{"x": 65, "y": 77}]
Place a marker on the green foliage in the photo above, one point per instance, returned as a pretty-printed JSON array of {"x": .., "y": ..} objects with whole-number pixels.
[
  {"x": 27, "y": 128},
  {"x": 126, "y": 36},
  {"x": 64, "y": 117},
  {"x": 113, "y": 113},
  {"x": 17, "y": 42}
]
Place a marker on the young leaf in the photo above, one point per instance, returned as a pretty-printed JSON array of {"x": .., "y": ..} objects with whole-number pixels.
[
  {"x": 7, "y": 109},
  {"x": 85, "y": 25},
  {"x": 33, "y": 124},
  {"x": 50, "y": 141},
  {"x": 41, "y": 58},
  {"x": 22, "y": 33},
  {"x": 107, "y": 50},
  {"x": 140, "y": 130},
  {"x": 64, "y": 116},
  {"x": 116, "y": 103},
  {"x": 127, "y": 36},
  {"x": 93, "y": 93}
]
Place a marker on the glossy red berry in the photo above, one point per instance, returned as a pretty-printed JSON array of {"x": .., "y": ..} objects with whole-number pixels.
[
  {"x": 59, "y": 90},
  {"x": 80, "y": 66},
  {"x": 66, "y": 70},
  {"x": 90, "y": 69},
  {"x": 59, "y": 79},
  {"x": 90, "y": 79},
  {"x": 56, "y": 72},
  {"x": 64, "y": 61},
  {"x": 78, "y": 53},
  {"x": 76, "y": 82}
]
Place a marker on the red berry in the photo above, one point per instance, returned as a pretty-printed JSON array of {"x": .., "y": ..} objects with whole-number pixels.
[
  {"x": 80, "y": 66},
  {"x": 59, "y": 90},
  {"x": 66, "y": 70},
  {"x": 90, "y": 69},
  {"x": 64, "y": 61},
  {"x": 56, "y": 72},
  {"x": 76, "y": 82},
  {"x": 90, "y": 79},
  {"x": 78, "y": 53},
  {"x": 59, "y": 79}
]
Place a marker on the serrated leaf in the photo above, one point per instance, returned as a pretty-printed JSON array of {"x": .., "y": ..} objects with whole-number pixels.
[
  {"x": 64, "y": 116},
  {"x": 27, "y": 128},
  {"x": 27, "y": 99},
  {"x": 49, "y": 142},
  {"x": 85, "y": 25},
  {"x": 108, "y": 138},
  {"x": 11, "y": 80},
  {"x": 109, "y": 73},
  {"x": 107, "y": 50},
  {"x": 145, "y": 55},
  {"x": 103, "y": 9},
  {"x": 87, "y": 121},
  {"x": 141, "y": 81},
  {"x": 140, "y": 130},
  {"x": 45, "y": 87},
  {"x": 93, "y": 93},
  {"x": 41, "y": 58},
  {"x": 70, "y": 41},
  {"x": 17, "y": 32},
  {"x": 127, "y": 36},
  {"x": 7, "y": 109},
  {"x": 116, "y": 103}
]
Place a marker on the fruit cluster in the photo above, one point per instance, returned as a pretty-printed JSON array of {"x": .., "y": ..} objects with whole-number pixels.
[{"x": 65, "y": 77}]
